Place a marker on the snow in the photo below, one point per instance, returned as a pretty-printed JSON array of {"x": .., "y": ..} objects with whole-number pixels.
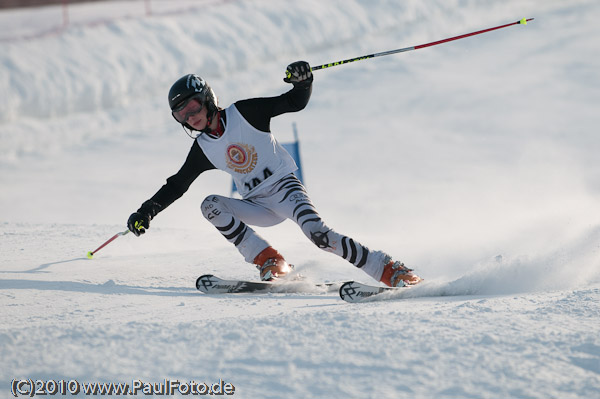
[{"x": 474, "y": 162}]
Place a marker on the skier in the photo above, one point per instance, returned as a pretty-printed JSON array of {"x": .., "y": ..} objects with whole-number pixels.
[{"x": 238, "y": 140}]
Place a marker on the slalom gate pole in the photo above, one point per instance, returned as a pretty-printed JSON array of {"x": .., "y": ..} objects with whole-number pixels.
[
  {"x": 91, "y": 253},
  {"x": 402, "y": 50}
]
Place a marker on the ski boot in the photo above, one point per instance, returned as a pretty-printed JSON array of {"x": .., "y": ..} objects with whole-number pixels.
[
  {"x": 395, "y": 274},
  {"x": 271, "y": 265}
]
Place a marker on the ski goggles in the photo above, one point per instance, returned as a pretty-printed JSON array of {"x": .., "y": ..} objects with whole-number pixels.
[{"x": 187, "y": 109}]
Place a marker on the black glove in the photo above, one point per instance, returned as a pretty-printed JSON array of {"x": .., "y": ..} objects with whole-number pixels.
[
  {"x": 139, "y": 221},
  {"x": 298, "y": 72}
]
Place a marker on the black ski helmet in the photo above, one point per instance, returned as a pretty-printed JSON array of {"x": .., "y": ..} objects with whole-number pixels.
[{"x": 192, "y": 85}]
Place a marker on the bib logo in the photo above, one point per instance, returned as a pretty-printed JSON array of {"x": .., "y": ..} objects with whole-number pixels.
[{"x": 242, "y": 158}]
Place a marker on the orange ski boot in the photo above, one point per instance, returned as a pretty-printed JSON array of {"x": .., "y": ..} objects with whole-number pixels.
[
  {"x": 271, "y": 265},
  {"x": 395, "y": 274}
]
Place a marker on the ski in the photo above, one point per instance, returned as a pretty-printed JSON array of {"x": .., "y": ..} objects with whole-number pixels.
[
  {"x": 353, "y": 292},
  {"x": 210, "y": 284}
]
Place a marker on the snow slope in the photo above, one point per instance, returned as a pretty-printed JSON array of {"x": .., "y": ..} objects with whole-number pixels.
[{"x": 475, "y": 162}]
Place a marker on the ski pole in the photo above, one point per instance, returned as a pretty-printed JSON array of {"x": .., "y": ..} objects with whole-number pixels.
[
  {"x": 402, "y": 50},
  {"x": 90, "y": 254}
]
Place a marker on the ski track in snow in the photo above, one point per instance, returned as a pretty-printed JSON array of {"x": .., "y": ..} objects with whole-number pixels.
[{"x": 478, "y": 168}]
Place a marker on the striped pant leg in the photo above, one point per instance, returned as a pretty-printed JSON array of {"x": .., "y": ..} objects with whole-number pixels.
[
  {"x": 294, "y": 203},
  {"x": 231, "y": 217}
]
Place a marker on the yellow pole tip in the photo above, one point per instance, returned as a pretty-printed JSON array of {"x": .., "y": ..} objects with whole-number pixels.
[
  {"x": 90, "y": 255},
  {"x": 523, "y": 21}
]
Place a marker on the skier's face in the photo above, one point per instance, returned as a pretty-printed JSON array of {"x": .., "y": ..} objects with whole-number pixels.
[
  {"x": 191, "y": 112},
  {"x": 198, "y": 120}
]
